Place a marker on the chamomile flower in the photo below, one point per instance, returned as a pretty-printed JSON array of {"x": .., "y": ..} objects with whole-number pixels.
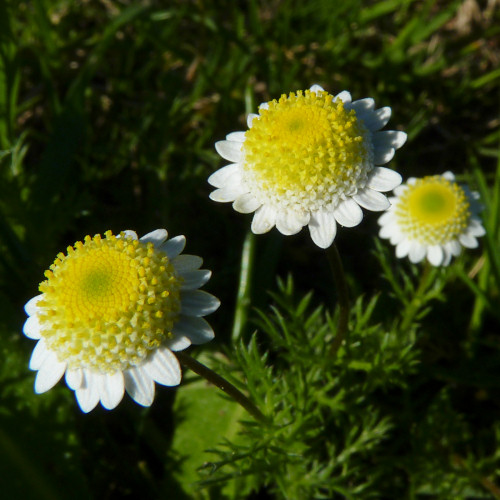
[
  {"x": 112, "y": 311},
  {"x": 432, "y": 217},
  {"x": 309, "y": 159}
]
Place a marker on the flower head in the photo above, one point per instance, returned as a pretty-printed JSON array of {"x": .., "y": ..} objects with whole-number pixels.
[
  {"x": 432, "y": 217},
  {"x": 309, "y": 158},
  {"x": 112, "y": 310}
]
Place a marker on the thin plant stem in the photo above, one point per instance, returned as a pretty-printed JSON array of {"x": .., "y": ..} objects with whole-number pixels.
[
  {"x": 244, "y": 288},
  {"x": 223, "y": 384},
  {"x": 342, "y": 297}
]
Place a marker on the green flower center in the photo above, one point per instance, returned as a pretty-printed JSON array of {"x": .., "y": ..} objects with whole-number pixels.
[
  {"x": 306, "y": 151},
  {"x": 108, "y": 303},
  {"x": 433, "y": 211}
]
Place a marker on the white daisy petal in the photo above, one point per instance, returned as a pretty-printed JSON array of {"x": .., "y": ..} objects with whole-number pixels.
[
  {"x": 250, "y": 118},
  {"x": 228, "y": 193},
  {"x": 468, "y": 241},
  {"x": 195, "y": 279},
  {"x": 221, "y": 177},
  {"x": 198, "y": 303},
  {"x": 31, "y": 328},
  {"x": 229, "y": 150},
  {"x": 31, "y": 306},
  {"x": 417, "y": 253},
  {"x": 454, "y": 247},
  {"x": 185, "y": 263},
  {"x": 198, "y": 330},
  {"x": 263, "y": 220},
  {"x": 139, "y": 386},
  {"x": 435, "y": 255},
  {"x": 111, "y": 388},
  {"x": 178, "y": 343},
  {"x": 382, "y": 155},
  {"x": 323, "y": 228},
  {"x": 49, "y": 373},
  {"x": 317, "y": 88},
  {"x": 344, "y": 96},
  {"x": 156, "y": 237},
  {"x": 174, "y": 246},
  {"x": 403, "y": 248},
  {"x": 74, "y": 378},
  {"x": 384, "y": 179},
  {"x": 377, "y": 119},
  {"x": 289, "y": 222},
  {"x": 88, "y": 395},
  {"x": 389, "y": 139},
  {"x": 246, "y": 203},
  {"x": 128, "y": 233},
  {"x": 39, "y": 355},
  {"x": 372, "y": 200},
  {"x": 163, "y": 367},
  {"x": 363, "y": 106},
  {"x": 236, "y": 136},
  {"x": 348, "y": 213}
]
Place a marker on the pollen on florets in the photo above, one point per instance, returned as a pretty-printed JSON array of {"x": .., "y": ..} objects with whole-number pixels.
[
  {"x": 306, "y": 151},
  {"x": 108, "y": 302},
  {"x": 433, "y": 210}
]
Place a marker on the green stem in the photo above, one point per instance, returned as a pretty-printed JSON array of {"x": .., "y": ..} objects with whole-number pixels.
[
  {"x": 243, "y": 298},
  {"x": 222, "y": 384},
  {"x": 342, "y": 297}
]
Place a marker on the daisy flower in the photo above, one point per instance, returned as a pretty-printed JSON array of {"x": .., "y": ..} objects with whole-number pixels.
[
  {"x": 432, "y": 217},
  {"x": 112, "y": 311},
  {"x": 309, "y": 159}
]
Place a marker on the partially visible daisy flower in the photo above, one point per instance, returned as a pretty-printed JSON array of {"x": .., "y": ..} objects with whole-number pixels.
[
  {"x": 432, "y": 217},
  {"x": 111, "y": 313},
  {"x": 309, "y": 159}
]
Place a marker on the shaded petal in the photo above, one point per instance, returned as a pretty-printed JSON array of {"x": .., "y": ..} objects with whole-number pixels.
[
  {"x": 348, "y": 213},
  {"x": 454, "y": 247},
  {"x": 163, "y": 367},
  {"x": 387, "y": 217},
  {"x": 88, "y": 394},
  {"x": 475, "y": 229},
  {"x": 74, "y": 378},
  {"x": 345, "y": 97},
  {"x": 383, "y": 155},
  {"x": 468, "y": 241},
  {"x": 317, "y": 88},
  {"x": 31, "y": 306},
  {"x": 229, "y": 150},
  {"x": 185, "y": 263},
  {"x": 377, "y": 119},
  {"x": 417, "y": 252},
  {"x": 435, "y": 255},
  {"x": 228, "y": 193},
  {"x": 198, "y": 330},
  {"x": 289, "y": 222},
  {"x": 156, "y": 237},
  {"x": 263, "y": 220},
  {"x": 128, "y": 233},
  {"x": 384, "y": 179},
  {"x": 39, "y": 355},
  {"x": 246, "y": 203},
  {"x": 31, "y": 328},
  {"x": 363, "y": 107},
  {"x": 403, "y": 248},
  {"x": 49, "y": 373},
  {"x": 389, "y": 138},
  {"x": 178, "y": 343},
  {"x": 450, "y": 176},
  {"x": 139, "y": 386},
  {"x": 250, "y": 118},
  {"x": 236, "y": 136},
  {"x": 173, "y": 247},
  {"x": 111, "y": 389},
  {"x": 323, "y": 228},
  {"x": 195, "y": 279},
  {"x": 372, "y": 200},
  {"x": 198, "y": 303},
  {"x": 220, "y": 177}
]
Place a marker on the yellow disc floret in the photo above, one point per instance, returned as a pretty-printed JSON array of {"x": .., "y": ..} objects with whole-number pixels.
[
  {"x": 108, "y": 302},
  {"x": 307, "y": 151},
  {"x": 433, "y": 210}
]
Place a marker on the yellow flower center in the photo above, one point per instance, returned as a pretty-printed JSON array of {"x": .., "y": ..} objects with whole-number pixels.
[
  {"x": 108, "y": 302},
  {"x": 433, "y": 211},
  {"x": 306, "y": 151}
]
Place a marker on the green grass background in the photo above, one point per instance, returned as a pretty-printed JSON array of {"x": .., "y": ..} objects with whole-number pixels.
[{"x": 108, "y": 115}]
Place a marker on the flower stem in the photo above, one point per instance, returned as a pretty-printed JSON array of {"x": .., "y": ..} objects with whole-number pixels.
[
  {"x": 244, "y": 287},
  {"x": 342, "y": 297},
  {"x": 222, "y": 384}
]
